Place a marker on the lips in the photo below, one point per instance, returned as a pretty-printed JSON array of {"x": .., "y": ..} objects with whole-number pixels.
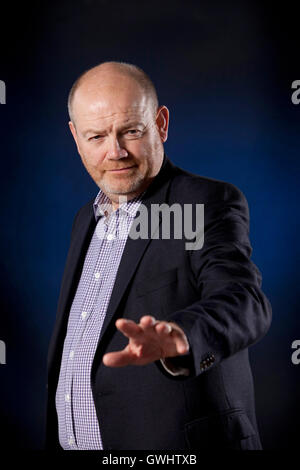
[{"x": 123, "y": 169}]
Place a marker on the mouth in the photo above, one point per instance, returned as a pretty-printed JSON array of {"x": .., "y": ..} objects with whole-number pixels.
[{"x": 122, "y": 170}]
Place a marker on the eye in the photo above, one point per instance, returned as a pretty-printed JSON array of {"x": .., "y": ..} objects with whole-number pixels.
[
  {"x": 133, "y": 133},
  {"x": 96, "y": 137}
]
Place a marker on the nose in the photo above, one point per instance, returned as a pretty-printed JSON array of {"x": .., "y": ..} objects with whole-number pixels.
[{"x": 115, "y": 151}]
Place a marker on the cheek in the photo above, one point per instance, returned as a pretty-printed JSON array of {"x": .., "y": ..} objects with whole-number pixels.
[
  {"x": 143, "y": 149},
  {"x": 92, "y": 157}
]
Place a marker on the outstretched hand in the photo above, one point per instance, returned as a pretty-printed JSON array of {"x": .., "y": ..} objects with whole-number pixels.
[{"x": 149, "y": 341}]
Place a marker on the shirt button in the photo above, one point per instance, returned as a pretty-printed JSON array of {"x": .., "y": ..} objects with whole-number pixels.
[
  {"x": 71, "y": 441},
  {"x": 97, "y": 275},
  {"x": 83, "y": 315},
  {"x": 110, "y": 236},
  {"x": 67, "y": 397},
  {"x": 71, "y": 355}
]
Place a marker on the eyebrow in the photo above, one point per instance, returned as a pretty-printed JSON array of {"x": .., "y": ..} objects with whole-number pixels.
[
  {"x": 93, "y": 131},
  {"x": 102, "y": 132}
]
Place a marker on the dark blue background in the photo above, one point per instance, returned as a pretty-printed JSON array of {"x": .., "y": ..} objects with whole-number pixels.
[{"x": 224, "y": 69}]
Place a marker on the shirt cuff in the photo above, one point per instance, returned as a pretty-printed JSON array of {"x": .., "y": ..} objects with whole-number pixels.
[{"x": 172, "y": 369}]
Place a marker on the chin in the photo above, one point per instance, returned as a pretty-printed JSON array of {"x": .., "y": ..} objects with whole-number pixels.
[
  {"x": 123, "y": 191},
  {"x": 125, "y": 188}
]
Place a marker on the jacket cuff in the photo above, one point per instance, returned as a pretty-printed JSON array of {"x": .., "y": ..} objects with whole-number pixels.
[{"x": 173, "y": 369}]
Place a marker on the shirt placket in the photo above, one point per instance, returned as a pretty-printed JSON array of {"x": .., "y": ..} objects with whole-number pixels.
[{"x": 90, "y": 321}]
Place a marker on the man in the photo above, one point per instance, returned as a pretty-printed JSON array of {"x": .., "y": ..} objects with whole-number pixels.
[{"x": 149, "y": 349}]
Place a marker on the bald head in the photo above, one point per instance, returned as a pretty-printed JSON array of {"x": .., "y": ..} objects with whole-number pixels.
[{"x": 113, "y": 75}]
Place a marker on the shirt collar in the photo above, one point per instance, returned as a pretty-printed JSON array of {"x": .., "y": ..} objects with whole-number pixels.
[{"x": 103, "y": 207}]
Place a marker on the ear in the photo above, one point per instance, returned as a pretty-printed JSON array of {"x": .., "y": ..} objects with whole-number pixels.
[
  {"x": 74, "y": 134},
  {"x": 162, "y": 122}
]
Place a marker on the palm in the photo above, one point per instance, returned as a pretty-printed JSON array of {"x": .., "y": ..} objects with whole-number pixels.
[{"x": 149, "y": 341}]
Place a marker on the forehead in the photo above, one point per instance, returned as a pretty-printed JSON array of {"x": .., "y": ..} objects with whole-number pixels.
[{"x": 111, "y": 101}]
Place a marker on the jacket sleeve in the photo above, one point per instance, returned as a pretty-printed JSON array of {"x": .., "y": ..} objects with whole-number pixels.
[{"x": 232, "y": 312}]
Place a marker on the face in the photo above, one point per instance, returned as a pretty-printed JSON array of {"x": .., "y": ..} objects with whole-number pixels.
[{"x": 119, "y": 135}]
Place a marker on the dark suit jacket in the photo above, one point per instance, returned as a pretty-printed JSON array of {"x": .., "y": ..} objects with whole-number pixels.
[{"x": 213, "y": 294}]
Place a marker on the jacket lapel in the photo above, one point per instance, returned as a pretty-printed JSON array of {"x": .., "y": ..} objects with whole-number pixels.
[{"x": 79, "y": 244}]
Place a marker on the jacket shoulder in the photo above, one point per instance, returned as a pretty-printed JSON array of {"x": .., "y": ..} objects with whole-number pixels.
[{"x": 191, "y": 187}]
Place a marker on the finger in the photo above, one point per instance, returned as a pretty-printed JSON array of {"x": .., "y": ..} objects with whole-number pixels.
[
  {"x": 182, "y": 345},
  {"x": 169, "y": 335},
  {"x": 147, "y": 321},
  {"x": 163, "y": 328},
  {"x": 129, "y": 328},
  {"x": 118, "y": 358}
]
